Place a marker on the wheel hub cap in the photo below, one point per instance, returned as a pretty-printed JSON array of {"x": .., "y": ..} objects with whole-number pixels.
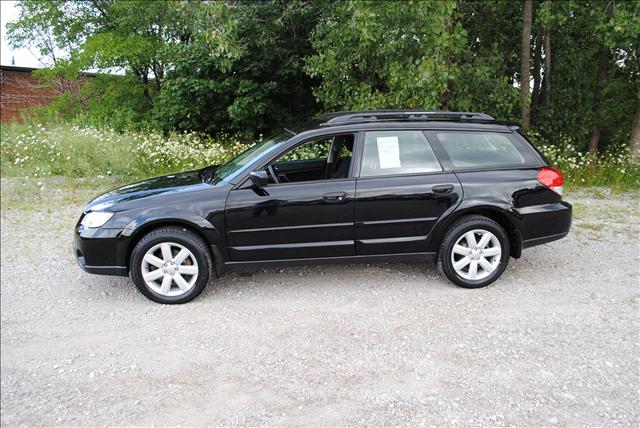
[
  {"x": 170, "y": 268},
  {"x": 475, "y": 254}
]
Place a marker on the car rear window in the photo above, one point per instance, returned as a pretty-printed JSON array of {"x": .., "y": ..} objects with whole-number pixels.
[
  {"x": 480, "y": 149},
  {"x": 397, "y": 152}
]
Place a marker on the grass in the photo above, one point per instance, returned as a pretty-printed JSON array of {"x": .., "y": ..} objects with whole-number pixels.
[
  {"x": 612, "y": 168},
  {"x": 50, "y": 193},
  {"x": 35, "y": 151},
  {"x": 598, "y": 194},
  {"x": 598, "y": 210},
  {"x": 597, "y": 227}
]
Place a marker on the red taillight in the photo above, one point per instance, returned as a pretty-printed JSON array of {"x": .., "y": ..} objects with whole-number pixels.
[{"x": 552, "y": 178}]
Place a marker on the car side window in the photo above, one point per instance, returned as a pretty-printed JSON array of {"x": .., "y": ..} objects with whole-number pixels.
[
  {"x": 312, "y": 150},
  {"x": 480, "y": 149},
  {"x": 325, "y": 158},
  {"x": 397, "y": 152}
]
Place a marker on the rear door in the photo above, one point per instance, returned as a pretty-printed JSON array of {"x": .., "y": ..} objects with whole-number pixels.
[{"x": 401, "y": 191}]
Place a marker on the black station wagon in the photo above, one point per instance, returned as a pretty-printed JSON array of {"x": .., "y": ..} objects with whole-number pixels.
[{"x": 460, "y": 188}]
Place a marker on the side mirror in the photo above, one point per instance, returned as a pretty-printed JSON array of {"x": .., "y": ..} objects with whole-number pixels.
[{"x": 259, "y": 179}]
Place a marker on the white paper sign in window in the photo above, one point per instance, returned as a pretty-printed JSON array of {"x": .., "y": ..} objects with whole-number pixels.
[{"x": 388, "y": 152}]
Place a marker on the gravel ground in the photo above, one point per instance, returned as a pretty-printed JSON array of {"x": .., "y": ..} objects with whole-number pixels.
[{"x": 554, "y": 342}]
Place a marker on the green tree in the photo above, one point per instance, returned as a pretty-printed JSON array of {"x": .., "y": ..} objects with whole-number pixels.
[
  {"x": 243, "y": 69},
  {"x": 594, "y": 72},
  {"x": 525, "y": 59},
  {"x": 385, "y": 54},
  {"x": 255, "y": 65},
  {"x": 52, "y": 27},
  {"x": 138, "y": 37},
  {"x": 490, "y": 63},
  {"x": 422, "y": 55}
]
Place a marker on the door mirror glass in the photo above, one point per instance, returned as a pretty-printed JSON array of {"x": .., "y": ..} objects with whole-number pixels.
[{"x": 259, "y": 178}]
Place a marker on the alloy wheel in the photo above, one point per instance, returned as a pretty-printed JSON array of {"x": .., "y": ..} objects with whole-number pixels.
[
  {"x": 169, "y": 269},
  {"x": 476, "y": 254}
]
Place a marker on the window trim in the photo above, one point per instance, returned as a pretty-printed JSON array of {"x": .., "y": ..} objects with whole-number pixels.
[
  {"x": 412, "y": 174},
  {"x": 495, "y": 168},
  {"x": 360, "y": 149},
  {"x": 298, "y": 183}
]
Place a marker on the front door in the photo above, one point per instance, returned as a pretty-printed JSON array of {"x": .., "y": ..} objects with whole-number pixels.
[
  {"x": 306, "y": 211},
  {"x": 401, "y": 192}
]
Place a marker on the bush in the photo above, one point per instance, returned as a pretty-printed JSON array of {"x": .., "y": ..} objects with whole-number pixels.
[
  {"x": 85, "y": 151},
  {"x": 611, "y": 168},
  {"x": 75, "y": 151}
]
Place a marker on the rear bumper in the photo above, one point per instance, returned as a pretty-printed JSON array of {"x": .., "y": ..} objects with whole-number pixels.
[
  {"x": 542, "y": 240},
  {"x": 95, "y": 250},
  {"x": 545, "y": 223}
]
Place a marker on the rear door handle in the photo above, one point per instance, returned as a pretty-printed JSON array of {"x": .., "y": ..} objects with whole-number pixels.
[
  {"x": 334, "y": 197},
  {"x": 442, "y": 188}
]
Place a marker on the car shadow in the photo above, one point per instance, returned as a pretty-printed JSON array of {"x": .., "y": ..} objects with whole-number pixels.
[{"x": 322, "y": 277}]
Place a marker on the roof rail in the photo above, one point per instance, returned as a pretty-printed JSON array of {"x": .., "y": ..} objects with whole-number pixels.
[{"x": 404, "y": 115}]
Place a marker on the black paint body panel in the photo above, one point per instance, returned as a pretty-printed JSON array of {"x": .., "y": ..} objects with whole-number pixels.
[
  {"x": 387, "y": 218},
  {"x": 290, "y": 220},
  {"x": 396, "y": 214}
]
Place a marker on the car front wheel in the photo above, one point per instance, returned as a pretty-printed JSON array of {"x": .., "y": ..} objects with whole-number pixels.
[
  {"x": 171, "y": 265},
  {"x": 474, "y": 252}
]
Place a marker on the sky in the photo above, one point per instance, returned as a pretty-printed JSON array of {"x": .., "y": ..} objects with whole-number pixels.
[
  {"x": 22, "y": 57},
  {"x": 25, "y": 57}
]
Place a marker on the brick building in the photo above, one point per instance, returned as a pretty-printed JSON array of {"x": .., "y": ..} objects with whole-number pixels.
[{"x": 20, "y": 90}]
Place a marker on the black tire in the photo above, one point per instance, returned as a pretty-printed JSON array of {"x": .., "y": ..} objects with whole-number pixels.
[
  {"x": 180, "y": 236},
  {"x": 455, "y": 231}
]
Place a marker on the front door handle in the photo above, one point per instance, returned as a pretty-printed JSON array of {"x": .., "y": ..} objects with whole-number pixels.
[
  {"x": 442, "y": 188},
  {"x": 334, "y": 197}
]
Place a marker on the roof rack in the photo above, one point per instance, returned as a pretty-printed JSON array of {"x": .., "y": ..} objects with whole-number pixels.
[{"x": 403, "y": 115}]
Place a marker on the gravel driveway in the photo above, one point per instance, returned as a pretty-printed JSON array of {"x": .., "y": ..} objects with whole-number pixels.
[{"x": 554, "y": 342}]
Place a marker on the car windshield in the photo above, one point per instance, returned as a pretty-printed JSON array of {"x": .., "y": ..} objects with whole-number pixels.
[{"x": 237, "y": 164}]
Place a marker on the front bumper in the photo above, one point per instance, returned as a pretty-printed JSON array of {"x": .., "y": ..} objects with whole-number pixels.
[{"x": 97, "y": 251}]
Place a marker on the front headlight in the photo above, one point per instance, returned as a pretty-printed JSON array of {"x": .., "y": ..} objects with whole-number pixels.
[{"x": 96, "y": 218}]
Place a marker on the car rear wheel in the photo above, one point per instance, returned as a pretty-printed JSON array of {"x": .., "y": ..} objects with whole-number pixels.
[
  {"x": 171, "y": 265},
  {"x": 474, "y": 252}
]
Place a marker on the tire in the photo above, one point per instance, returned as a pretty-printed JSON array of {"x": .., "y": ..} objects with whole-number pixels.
[
  {"x": 173, "y": 256},
  {"x": 456, "y": 261}
]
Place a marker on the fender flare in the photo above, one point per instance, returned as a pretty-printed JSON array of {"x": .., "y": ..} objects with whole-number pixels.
[
  {"x": 152, "y": 219},
  {"x": 502, "y": 213}
]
